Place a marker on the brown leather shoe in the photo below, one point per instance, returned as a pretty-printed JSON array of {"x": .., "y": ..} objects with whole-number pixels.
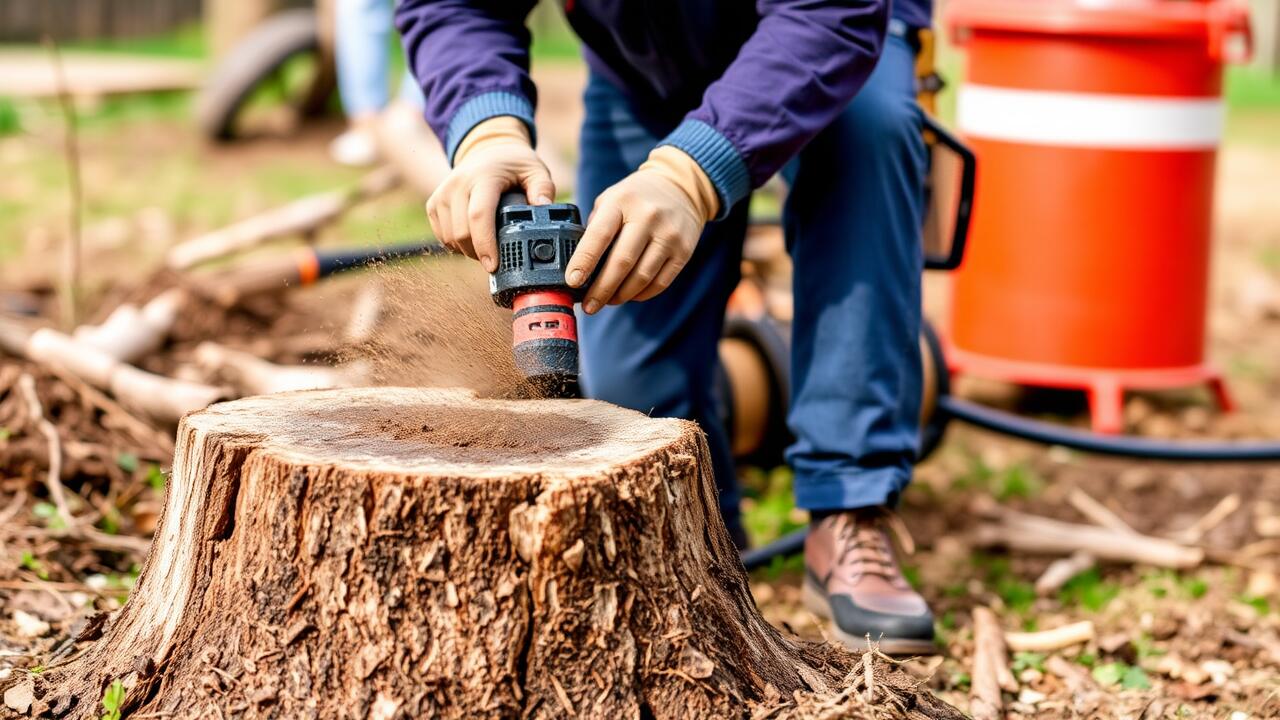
[{"x": 852, "y": 578}]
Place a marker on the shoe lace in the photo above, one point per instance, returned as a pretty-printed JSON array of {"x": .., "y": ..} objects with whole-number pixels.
[{"x": 867, "y": 540}]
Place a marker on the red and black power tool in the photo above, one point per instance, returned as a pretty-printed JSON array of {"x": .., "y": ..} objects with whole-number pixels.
[{"x": 535, "y": 243}]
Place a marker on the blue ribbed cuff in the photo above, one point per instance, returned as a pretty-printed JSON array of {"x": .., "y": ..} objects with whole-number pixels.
[
  {"x": 717, "y": 157},
  {"x": 481, "y": 108}
]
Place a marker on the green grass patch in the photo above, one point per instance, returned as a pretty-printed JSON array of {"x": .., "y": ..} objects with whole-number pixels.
[
  {"x": 769, "y": 514},
  {"x": 1128, "y": 677},
  {"x": 1088, "y": 590},
  {"x": 186, "y": 42},
  {"x": 1028, "y": 661},
  {"x": 553, "y": 39},
  {"x": 32, "y": 563},
  {"x": 1251, "y": 88},
  {"x": 1260, "y": 604}
]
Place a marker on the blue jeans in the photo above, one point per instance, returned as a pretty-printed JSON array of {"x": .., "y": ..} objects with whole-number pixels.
[
  {"x": 852, "y": 221},
  {"x": 362, "y": 31}
]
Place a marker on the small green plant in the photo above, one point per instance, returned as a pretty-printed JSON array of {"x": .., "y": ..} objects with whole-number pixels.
[
  {"x": 978, "y": 476},
  {"x": 1018, "y": 595},
  {"x": 1019, "y": 481},
  {"x": 1145, "y": 646},
  {"x": 49, "y": 514},
  {"x": 1087, "y": 659},
  {"x": 1088, "y": 590},
  {"x": 961, "y": 681},
  {"x": 113, "y": 700},
  {"x": 156, "y": 478},
  {"x": 35, "y": 669},
  {"x": 32, "y": 563},
  {"x": 1195, "y": 587},
  {"x": 1028, "y": 661},
  {"x": 1260, "y": 604},
  {"x": 912, "y": 575},
  {"x": 127, "y": 461},
  {"x": 1129, "y": 677},
  {"x": 10, "y": 119},
  {"x": 110, "y": 521},
  {"x": 5, "y": 433}
]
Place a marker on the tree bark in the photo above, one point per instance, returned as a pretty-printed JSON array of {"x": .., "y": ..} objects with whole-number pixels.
[{"x": 397, "y": 552}]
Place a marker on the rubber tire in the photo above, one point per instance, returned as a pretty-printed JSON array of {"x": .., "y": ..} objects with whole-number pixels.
[
  {"x": 254, "y": 59},
  {"x": 935, "y": 428}
]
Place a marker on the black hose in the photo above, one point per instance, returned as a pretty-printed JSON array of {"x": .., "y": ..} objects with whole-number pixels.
[
  {"x": 1007, "y": 423},
  {"x": 330, "y": 262},
  {"x": 1124, "y": 445},
  {"x": 789, "y": 544}
]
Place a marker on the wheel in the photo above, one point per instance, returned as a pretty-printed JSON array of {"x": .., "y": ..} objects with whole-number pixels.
[
  {"x": 937, "y": 384},
  {"x": 272, "y": 79}
]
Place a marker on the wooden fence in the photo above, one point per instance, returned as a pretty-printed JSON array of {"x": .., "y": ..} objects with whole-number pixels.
[{"x": 30, "y": 20}]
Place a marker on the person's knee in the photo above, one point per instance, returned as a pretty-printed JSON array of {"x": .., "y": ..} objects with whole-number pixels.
[{"x": 881, "y": 121}]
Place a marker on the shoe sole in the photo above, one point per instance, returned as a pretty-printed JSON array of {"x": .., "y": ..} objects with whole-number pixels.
[{"x": 816, "y": 602}]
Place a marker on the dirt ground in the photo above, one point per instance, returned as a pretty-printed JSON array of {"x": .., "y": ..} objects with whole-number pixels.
[{"x": 1203, "y": 642}]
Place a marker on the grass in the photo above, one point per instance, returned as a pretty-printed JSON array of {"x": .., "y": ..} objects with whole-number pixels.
[
  {"x": 187, "y": 42},
  {"x": 1088, "y": 590}
]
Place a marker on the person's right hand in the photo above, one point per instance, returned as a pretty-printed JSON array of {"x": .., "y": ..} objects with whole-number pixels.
[{"x": 496, "y": 156}]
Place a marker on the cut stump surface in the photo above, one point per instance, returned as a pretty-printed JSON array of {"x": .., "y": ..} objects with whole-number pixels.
[{"x": 394, "y": 552}]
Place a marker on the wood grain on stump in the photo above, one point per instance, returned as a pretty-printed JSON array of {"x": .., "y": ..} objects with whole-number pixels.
[{"x": 412, "y": 553}]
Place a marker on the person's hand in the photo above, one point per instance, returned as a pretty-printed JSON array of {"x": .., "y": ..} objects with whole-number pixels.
[
  {"x": 496, "y": 156},
  {"x": 652, "y": 219}
]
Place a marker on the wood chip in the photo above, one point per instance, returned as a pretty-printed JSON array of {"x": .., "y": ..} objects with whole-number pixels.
[{"x": 19, "y": 697}]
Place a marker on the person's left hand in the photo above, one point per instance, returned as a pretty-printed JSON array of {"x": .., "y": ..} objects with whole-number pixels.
[{"x": 652, "y": 222}]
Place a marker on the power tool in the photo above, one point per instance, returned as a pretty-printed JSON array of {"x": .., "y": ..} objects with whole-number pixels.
[{"x": 535, "y": 243}]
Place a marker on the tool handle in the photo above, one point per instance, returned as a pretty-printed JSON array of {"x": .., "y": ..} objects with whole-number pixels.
[{"x": 511, "y": 197}]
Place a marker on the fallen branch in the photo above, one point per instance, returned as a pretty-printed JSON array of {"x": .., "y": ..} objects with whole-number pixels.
[
  {"x": 255, "y": 376},
  {"x": 165, "y": 399},
  {"x": 1210, "y": 520},
  {"x": 990, "y": 667},
  {"x": 87, "y": 534},
  {"x": 130, "y": 333},
  {"x": 301, "y": 216},
  {"x": 1061, "y": 571},
  {"x": 1097, "y": 512},
  {"x": 53, "y": 479},
  {"x": 1050, "y": 640},
  {"x": 1030, "y": 533}
]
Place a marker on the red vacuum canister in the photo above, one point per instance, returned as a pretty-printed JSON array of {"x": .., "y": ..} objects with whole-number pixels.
[{"x": 1096, "y": 126}]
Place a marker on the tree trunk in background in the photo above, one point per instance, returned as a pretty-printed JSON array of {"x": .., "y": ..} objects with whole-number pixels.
[{"x": 394, "y": 552}]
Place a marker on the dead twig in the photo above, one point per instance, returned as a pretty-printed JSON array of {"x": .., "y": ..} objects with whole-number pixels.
[
  {"x": 13, "y": 508},
  {"x": 70, "y": 294},
  {"x": 1097, "y": 512},
  {"x": 1210, "y": 520},
  {"x": 89, "y": 535},
  {"x": 53, "y": 479},
  {"x": 1050, "y": 640},
  {"x": 301, "y": 216},
  {"x": 1031, "y": 533},
  {"x": 1061, "y": 571}
]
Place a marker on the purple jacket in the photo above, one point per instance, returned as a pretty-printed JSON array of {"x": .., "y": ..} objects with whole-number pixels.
[{"x": 745, "y": 87}]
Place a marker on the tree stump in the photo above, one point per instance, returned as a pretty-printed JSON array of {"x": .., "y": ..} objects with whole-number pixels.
[{"x": 394, "y": 552}]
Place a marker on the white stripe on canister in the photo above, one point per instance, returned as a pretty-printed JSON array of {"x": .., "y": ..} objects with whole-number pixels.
[{"x": 1041, "y": 117}]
